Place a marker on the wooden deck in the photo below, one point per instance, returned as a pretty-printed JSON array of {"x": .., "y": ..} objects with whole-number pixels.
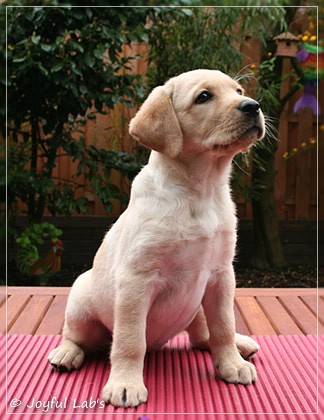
[{"x": 40, "y": 311}]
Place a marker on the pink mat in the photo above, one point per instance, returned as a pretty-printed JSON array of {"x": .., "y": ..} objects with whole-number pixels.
[{"x": 181, "y": 383}]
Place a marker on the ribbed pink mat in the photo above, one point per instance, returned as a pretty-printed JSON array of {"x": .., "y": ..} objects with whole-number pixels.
[{"x": 181, "y": 383}]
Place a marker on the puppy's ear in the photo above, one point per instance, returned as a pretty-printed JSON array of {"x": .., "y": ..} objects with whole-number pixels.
[{"x": 156, "y": 125}]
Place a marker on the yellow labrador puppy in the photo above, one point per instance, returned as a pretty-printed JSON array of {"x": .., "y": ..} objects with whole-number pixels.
[{"x": 166, "y": 265}]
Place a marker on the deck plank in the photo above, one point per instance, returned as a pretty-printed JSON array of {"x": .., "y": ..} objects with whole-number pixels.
[
  {"x": 29, "y": 320},
  {"x": 44, "y": 291},
  {"x": 277, "y": 316},
  {"x": 53, "y": 321},
  {"x": 254, "y": 317},
  {"x": 279, "y": 291},
  {"x": 316, "y": 304},
  {"x": 15, "y": 307},
  {"x": 2, "y": 296},
  {"x": 321, "y": 307},
  {"x": 264, "y": 311},
  {"x": 240, "y": 324},
  {"x": 54, "y": 291},
  {"x": 301, "y": 314},
  {"x": 310, "y": 302}
]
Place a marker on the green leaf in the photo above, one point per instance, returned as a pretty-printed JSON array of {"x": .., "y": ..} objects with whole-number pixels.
[
  {"x": 99, "y": 52},
  {"x": 75, "y": 69},
  {"x": 35, "y": 39},
  {"x": 42, "y": 69},
  {"x": 89, "y": 12},
  {"x": 83, "y": 89},
  {"x": 19, "y": 59},
  {"x": 187, "y": 12},
  {"x": 46, "y": 47},
  {"x": 89, "y": 59},
  {"x": 57, "y": 67},
  {"x": 145, "y": 37}
]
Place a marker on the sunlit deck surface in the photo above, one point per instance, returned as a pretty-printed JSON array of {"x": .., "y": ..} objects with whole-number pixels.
[{"x": 40, "y": 310}]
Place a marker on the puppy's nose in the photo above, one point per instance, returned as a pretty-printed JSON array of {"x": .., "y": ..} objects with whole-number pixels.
[{"x": 250, "y": 107}]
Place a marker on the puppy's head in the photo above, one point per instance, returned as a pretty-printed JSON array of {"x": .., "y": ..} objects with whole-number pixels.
[{"x": 201, "y": 110}]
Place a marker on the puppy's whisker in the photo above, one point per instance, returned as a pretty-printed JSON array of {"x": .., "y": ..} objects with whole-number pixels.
[
  {"x": 246, "y": 76},
  {"x": 271, "y": 121},
  {"x": 269, "y": 118},
  {"x": 240, "y": 168},
  {"x": 271, "y": 128},
  {"x": 271, "y": 132},
  {"x": 240, "y": 73}
]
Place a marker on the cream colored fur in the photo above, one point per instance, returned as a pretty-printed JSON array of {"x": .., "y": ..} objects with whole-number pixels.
[{"x": 166, "y": 264}]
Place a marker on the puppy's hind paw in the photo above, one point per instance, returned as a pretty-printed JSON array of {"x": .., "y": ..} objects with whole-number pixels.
[{"x": 66, "y": 357}]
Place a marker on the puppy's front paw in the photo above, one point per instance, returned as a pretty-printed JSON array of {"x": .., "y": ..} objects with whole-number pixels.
[
  {"x": 246, "y": 345},
  {"x": 66, "y": 357},
  {"x": 238, "y": 372},
  {"x": 124, "y": 394}
]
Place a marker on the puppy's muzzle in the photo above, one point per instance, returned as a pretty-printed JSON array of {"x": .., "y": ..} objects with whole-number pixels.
[
  {"x": 250, "y": 107},
  {"x": 253, "y": 115}
]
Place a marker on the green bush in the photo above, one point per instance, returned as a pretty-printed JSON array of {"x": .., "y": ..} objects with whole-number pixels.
[
  {"x": 64, "y": 65},
  {"x": 61, "y": 63},
  {"x": 30, "y": 240}
]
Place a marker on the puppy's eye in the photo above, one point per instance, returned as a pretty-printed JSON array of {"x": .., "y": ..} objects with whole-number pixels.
[
  {"x": 239, "y": 91},
  {"x": 203, "y": 97}
]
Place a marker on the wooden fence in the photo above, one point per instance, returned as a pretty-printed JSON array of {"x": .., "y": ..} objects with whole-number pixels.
[{"x": 297, "y": 184}]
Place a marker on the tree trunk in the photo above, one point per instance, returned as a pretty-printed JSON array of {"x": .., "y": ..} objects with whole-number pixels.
[
  {"x": 37, "y": 203},
  {"x": 33, "y": 165},
  {"x": 268, "y": 250}
]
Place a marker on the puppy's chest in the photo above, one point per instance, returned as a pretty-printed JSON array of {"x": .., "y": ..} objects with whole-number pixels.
[
  {"x": 186, "y": 260},
  {"x": 181, "y": 282},
  {"x": 208, "y": 236},
  {"x": 210, "y": 217}
]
